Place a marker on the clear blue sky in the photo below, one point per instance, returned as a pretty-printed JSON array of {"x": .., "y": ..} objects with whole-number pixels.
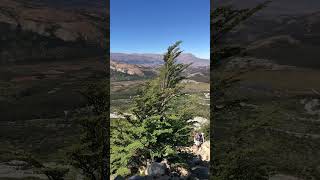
[{"x": 150, "y": 26}]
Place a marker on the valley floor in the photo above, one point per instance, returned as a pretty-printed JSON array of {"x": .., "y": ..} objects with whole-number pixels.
[
  {"x": 287, "y": 102},
  {"x": 37, "y": 105}
]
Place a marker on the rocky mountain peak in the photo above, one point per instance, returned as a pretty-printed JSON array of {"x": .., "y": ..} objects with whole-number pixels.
[{"x": 50, "y": 21}]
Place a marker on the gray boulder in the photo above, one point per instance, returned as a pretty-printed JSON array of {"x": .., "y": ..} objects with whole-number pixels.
[{"x": 156, "y": 169}]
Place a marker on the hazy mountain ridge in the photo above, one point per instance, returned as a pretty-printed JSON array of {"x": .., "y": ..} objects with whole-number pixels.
[
  {"x": 126, "y": 71},
  {"x": 288, "y": 40},
  {"x": 94, "y": 6},
  {"x": 289, "y": 36},
  {"x": 46, "y": 21},
  {"x": 156, "y": 59},
  {"x": 74, "y": 3},
  {"x": 276, "y": 7},
  {"x": 31, "y": 31},
  {"x": 299, "y": 27}
]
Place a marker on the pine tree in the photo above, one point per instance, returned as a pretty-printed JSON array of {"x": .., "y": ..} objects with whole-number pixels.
[
  {"x": 156, "y": 129},
  {"x": 92, "y": 151}
]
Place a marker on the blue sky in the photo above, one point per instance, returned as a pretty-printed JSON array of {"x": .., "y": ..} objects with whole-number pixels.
[{"x": 150, "y": 26}]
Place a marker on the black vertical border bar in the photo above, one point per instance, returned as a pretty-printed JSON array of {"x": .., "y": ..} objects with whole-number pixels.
[
  {"x": 212, "y": 145},
  {"x": 106, "y": 144}
]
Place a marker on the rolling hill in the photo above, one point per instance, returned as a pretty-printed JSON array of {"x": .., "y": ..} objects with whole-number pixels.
[{"x": 156, "y": 59}]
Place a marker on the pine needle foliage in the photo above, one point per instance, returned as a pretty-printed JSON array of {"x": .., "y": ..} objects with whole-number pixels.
[
  {"x": 156, "y": 128},
  {"x": 91, "y": 154}
]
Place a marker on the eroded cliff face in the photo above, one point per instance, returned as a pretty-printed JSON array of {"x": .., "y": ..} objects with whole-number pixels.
[
  {"x": 34, "y": 32},
  {"x": 129, "y": 69}
]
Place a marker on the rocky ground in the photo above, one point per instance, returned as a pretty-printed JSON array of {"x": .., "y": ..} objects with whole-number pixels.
[
  {"x": 18, "y": 170},
  {"x": 198, "y": 167},
  {"x": 34, "y": 100}
]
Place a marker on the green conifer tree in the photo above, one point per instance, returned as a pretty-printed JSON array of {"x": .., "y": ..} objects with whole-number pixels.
[
  {"x": 156, "y": 129},
  {"x": 91, "y": 154}
]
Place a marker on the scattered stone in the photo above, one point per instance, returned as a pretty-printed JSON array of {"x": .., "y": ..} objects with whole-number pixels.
[
  {"x": 312, "y": 107},
  {"x": 196, "y": 160},
  {"x": 198, "y": 122},
  {"x": 183, "y": 171},
  {"x": 165, "y": 162},
  {"x": 142, "y": 170},
  {"x": 116, "y": 116},
  {"x": 204, "y": 151},
  {"x": 156, "y": 169},
  {"x": 186, "y": 81}
]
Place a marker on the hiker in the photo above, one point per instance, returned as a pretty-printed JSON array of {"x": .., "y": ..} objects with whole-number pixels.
[
  {"x": 202, "y": 138},
  {"x": 198, "y": 139}
]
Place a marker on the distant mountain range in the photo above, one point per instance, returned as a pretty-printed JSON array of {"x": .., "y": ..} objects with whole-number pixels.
[
  {"x": 286, "y": 31},
  {"x": 276, "y": 7},
  {"x": 140, "y": 66},
  {"x": 94, "y": 5},
  {"x": 157, "y": 59},
  {"x": 123, "y": 71}
]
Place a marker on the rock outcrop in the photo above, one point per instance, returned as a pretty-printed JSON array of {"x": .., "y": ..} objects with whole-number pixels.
[
  {"x": 204, "y": 151},
  {"x": 126, "y": 68},
  {"x": 47, "y": 21},
  {"x": 196, "y": 168},
  {"x": 199, "y": 122},
  {"x": 36, "y": 32},
  {"x": 311, "y": 106}
]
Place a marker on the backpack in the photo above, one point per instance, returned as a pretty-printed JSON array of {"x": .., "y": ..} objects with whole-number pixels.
[{"x": 198, "y": 137}]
